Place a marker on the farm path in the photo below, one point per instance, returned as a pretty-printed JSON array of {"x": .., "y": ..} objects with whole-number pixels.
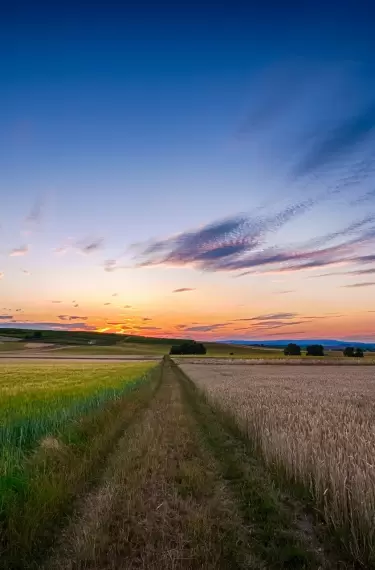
[{"x": 181, "y": 492}]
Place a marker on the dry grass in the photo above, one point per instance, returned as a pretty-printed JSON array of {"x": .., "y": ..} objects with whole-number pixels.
[{"x": 317, "y": 425}]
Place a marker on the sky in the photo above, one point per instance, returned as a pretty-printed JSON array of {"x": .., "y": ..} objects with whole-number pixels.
[{"x": 186, "y": 171}]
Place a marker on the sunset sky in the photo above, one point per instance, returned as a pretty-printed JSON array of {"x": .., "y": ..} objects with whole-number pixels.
[{"x": 186, "y": 172}]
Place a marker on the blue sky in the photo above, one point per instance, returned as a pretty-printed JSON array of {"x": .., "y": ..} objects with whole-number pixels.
[{"x": 125, "y": 126}]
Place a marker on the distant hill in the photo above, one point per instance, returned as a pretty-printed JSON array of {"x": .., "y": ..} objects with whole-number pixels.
[
  {"x": 79, "y": 337},
  {"x": 327, "y": 343}
]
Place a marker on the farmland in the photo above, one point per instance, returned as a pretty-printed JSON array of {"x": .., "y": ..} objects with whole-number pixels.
[
  {"x": 211, "y": 463},
  {"x": 313, "y": 426},
  {"x": 51, "y": 419}
]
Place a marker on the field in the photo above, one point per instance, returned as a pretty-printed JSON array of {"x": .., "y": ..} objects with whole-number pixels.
[
  {"x": 9, "y": 346},
  {"x": 141, "y": 349},
  {"x": 210, "y": 464},
  {"x": 78, "y": 343},
  {"x": 316, "y": 427},
  {"x": 50, "y": 414}
]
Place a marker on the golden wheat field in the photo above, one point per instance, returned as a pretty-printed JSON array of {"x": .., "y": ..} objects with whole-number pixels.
[{"x": 316, "y": 425}]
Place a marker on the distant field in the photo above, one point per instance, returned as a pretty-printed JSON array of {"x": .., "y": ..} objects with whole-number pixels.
[
  {"x": 10, "y": 346},
  {"x": 213, "y": 350},
  {"x": 216, "y": 350},
  {"x": 219, "y": 350},
  {"x": 141, "y": 348},
  {"x": 125, "y": 348}
]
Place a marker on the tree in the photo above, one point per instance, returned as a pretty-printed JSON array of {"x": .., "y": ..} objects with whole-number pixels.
[
  {"x": 354, "y": 353},
  {"x": 292, "y": 349},
  {"x": 348, "y": 351},
  {"x": 189, "y": 347},
  {"x": 315, "y": 350}
]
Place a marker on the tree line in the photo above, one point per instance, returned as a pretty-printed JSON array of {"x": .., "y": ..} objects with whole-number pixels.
[
  {"x": 293, "y": 349},
  {"x": 188, "y": 347}
]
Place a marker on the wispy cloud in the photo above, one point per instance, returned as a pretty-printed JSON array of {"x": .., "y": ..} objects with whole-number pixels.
[
  {"x": 62, "y": 249},
  {"x": 69, "y": 244},
  {"x": 358, "y": 285},
  {"x": 326, "y": 316},
  {"x": 1, "y": 274},
  {"x": 239, "y": 243},
  {"x": 281, "y": 333},
  {"x": 42, "y": 325},
  {"x": 355, "y": 272},
  {"x": 110, "y": 265},
  {"x": 127, "y": 307},
  {"x": 364, "y": 198},
  {"x": 34, "y": 217},
  {"x": 6, "y": 317},
  {"x": 270, "y": 317},
  {"x": 205, "y": 328},
  {"x": 222, "y": 245},
  {"x": 359, "y": 272},
  {"x": 26, "y": 272},
  {"x": 56, "y": 302},
  {"x": 18, "y": 251},
  {"x": 72, "y": 318},
  {"x": 303, "y": 257},
  {"x": 90, "y": 245},
  {"x": 107, "y": 303},
  {"x": 263, "y": 327},
  {"x": 182, "y": 290},
  {"x": 335, "y": 144},
  {"x": 275, "y": 94}
]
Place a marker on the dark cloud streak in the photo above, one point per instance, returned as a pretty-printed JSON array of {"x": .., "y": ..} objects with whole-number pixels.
[{"x": 359, "y": 285}]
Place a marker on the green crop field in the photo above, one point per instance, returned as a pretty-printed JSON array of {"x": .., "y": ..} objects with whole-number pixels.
[{"x": 49, "y": 408}]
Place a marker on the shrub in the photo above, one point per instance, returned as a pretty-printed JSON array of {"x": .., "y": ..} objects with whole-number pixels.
[
  {"x": 189, "y": 347},
  {"x": 315, "y": 350},
  {"x": 348, "y": 351},
  {"x": 292, "y": 349},
  {"x": 351, "y": 352}
]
